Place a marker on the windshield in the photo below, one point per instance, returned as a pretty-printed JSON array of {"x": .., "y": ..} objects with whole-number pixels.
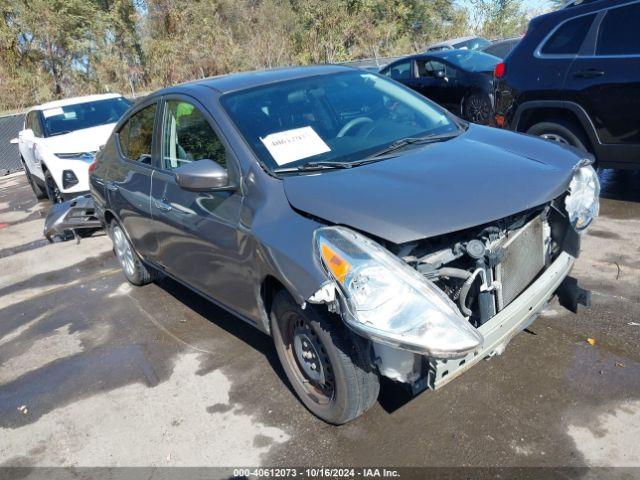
[
  {"x": 471, "y": 61},
  {"x": 477, "y": 43},
  {"x": 342, "y": 117},
  {"x": 61, "y": 120}
]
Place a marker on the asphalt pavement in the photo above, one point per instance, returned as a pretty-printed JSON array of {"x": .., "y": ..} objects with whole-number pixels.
[{"x": 95, "y": 372}]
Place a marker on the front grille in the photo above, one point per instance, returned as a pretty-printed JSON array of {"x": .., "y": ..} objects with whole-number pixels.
[{"x": 523, "y": 260}]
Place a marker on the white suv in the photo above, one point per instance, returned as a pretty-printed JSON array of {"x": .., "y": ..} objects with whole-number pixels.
[{"x": 59, "y": 140}]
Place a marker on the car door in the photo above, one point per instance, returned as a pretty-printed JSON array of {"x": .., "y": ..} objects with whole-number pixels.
[
  {"x": 437, "y": 81},
  {"x": 128, "y": 185},
  {"x": 27, "y": 143},
  {"x": 606, "y": 80},
  {"x": 197, "y": 232}
]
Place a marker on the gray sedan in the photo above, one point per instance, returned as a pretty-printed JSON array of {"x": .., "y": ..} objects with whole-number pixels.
[{"x": 367, "y": 230}]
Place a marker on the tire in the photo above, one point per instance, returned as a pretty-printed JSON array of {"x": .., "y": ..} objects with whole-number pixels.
[
  {"x": 478, "y": 109},
  {"x": 37, "y": 190},
  {"x": 344, "y": 383},
  {"x": 561, "y": 131},
  {"x": 53, "y": 191},
  {"x": 134, "y": 270}
]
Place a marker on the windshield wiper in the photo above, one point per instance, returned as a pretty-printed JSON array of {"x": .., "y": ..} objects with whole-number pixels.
[
  {"x": 64, "y": 132},
  {"x": 312, "y": 166},
  {"x": 376, "y": 157},
  {"x": 404, "y": 142}
]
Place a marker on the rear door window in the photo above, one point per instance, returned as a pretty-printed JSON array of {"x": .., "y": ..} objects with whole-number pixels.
[
  {"x": 136, "y": 136},
  {"x": 619, "y": 33},
  {"x": 568, "y": 39}
]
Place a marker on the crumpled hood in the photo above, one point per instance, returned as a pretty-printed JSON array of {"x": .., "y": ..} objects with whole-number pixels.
[
  {"x": 483, "y": 175},
  {"x": 85, "y": 140}
]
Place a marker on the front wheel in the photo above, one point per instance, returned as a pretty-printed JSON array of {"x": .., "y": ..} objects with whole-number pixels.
[
  {"x": 328, "y": 366},
  {"x": 53, "y": 191},
  {"x": 134, "y": 270}
]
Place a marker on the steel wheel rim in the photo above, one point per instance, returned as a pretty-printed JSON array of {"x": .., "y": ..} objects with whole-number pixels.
[
  {"x": 123, "y": 251},
  {"x": 554, "y": 137},
  {"x": 319, "y": 386}
]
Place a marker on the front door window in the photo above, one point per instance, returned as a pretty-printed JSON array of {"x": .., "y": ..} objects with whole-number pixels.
[{"x": 188, "y": 137}]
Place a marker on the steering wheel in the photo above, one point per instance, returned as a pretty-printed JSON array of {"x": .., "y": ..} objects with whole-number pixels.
[{"x": 353, "y": 123}]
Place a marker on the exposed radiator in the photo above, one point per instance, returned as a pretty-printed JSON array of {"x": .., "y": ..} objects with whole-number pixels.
[{"x": 524, "y": 258}]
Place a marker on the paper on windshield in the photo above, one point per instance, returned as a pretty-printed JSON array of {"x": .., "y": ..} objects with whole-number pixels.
[
  {"x": 52, "y": 112},
  {"x": 291, "y": 145}
]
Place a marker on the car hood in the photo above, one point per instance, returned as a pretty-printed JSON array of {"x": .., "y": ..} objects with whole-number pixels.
[
  {"x": 483, "y": 175},
  {"x": 85, "y": 140}
]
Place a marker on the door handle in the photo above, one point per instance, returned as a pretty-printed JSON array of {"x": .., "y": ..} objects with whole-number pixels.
[
  {"x": 162, "y": 205},
  {"x": 591, "y": 73},
  {"x": 112, "y": 186}
]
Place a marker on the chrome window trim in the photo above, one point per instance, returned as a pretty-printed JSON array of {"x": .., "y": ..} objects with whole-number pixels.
[{"x": 545, "y": 56}]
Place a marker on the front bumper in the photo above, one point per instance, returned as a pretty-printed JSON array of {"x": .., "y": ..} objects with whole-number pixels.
[
  {"x": 75, "y": 214},
  {"x": 498, "y": 331}
]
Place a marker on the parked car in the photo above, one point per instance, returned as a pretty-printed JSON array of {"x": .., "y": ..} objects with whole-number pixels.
[
  {"x": 367, "y": 230},
  {"x": 459, "y": 80},
  {"x": 59, "y": 140},
  {"x": 502, "y": 48},
  {"x": 462, "y": 43},
  {"x": 575, "y": 79}
]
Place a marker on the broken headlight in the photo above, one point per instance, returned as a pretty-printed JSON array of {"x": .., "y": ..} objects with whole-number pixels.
[
  {"x": 390, "y": 302},
  {"x": 583, "y": 201}
]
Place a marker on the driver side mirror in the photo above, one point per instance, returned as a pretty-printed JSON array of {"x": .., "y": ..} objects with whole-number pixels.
[{"x": 203, "y": 176}]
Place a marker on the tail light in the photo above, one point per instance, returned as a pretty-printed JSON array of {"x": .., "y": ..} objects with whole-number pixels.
[
  {"x": 500, "y": 70},
  {"x": 93, "y": 166}
]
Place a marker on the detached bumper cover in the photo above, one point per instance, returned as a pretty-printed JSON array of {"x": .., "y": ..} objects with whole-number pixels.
[
  {"x": 505, "y": 325},
  {"x": 78, "y": 213}
]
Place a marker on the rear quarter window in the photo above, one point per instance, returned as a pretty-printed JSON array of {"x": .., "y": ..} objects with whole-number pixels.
[{"x": 568, "y": 39}]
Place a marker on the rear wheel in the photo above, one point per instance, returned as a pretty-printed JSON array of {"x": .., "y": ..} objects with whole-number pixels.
[
  {"x": 561, "y": 131},
  {"x": 478, "y": 109},
  {"x": 327, "y": 365},
  {"x": 37, "y": 190},
  {"x": 53, "y": 191},
  {"x": 134, "y": 270}
]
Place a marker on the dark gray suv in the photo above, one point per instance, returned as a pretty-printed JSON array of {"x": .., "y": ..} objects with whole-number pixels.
[{"x": 367, "y": 230}]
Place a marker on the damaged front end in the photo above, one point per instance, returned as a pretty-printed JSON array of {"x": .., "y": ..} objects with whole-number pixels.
[
  {"x": 433, "y": 308},
  {"x": 71, "y": 219}
]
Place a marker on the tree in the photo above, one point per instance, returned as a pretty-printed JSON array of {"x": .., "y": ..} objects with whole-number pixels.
[{"x": 498, "y": 18}]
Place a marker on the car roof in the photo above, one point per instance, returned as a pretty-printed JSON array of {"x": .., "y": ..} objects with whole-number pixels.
[
  {"x": 453, "y": 41},
  {"x": 441, "y": 54},
  {"x": 505, "y": 40},
  {"x": 245, "y": 80},
  {"x": 74, "y": 101}
]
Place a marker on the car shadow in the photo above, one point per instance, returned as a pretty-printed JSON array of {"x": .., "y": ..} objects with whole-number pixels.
[
  {"x": 231, "y": 324},
  {"x": 393, "y": 395}
]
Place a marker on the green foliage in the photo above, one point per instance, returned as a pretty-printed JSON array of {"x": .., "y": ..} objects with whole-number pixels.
[{"x": 56, "y": 48}]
